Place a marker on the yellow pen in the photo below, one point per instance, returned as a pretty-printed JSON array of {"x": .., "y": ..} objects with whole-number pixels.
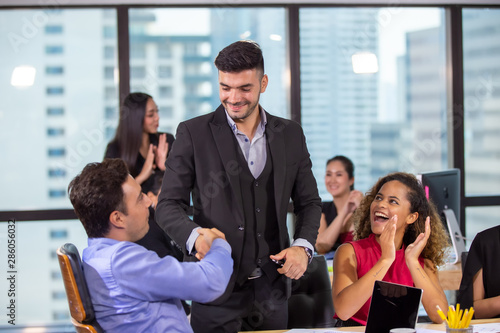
[
  {"x": 471, "y": 313},
  {"x": 451, "y": 316},
  {"x": 463, "y": 321},
  {"x": 459, "y": 317},
  {"x": 441, "y": 314}
]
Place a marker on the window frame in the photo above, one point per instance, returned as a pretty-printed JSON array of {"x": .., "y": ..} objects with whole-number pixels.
[{"x": 455, "y": 92}]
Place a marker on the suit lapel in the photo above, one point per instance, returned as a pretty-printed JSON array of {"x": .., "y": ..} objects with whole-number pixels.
[
  {"x": 224, "y": 140},
  {"x": 276, "y": 140}
]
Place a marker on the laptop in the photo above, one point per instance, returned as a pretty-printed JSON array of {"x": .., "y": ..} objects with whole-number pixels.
[{"x": 393, "y": 306}]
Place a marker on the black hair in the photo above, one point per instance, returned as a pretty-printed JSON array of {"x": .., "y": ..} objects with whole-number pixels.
[
  {"x": 240, "y": 56},
  {"x": 96, "y": 192}
]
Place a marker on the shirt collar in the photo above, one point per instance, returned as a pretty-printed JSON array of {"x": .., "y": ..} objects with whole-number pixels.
[{"x": 263, "y": 120}]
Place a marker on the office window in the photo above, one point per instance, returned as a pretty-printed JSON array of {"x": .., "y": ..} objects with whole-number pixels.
[
  {"x": 481, "y": 46},
  {"x": 138, "y": 52},
  {"x": 191, "y": 49},
  {"x": 54, "y": 70},
  {"x": 61, "y": 315},
  {"x": 166, "y": 111},
  {"x": 54, "y": 49},
  {"x": 59, "y": 295},
  {"x": 58, "y": 233},
  {"x": 53, "y": 29},
  {"x": 57, "y": 172},
  {"x": 110, "y": 112},
  {"x": 165, "y": 92},
  {"x": 109, "y": 73},
  {"x": 56, "y": 152},
  {"x": 55, "y": 111},
  {"x": 55, "y": 131},
  {"x": 182, "y": 45},
  {"x": 110, "y": 133},
  {"x": 54, "y": 91},
  {"x": 73, "y": 106},
  {"x": 479, "y": 219},
  {"x": 110, "y": 93},
  {"x": 137, "y": 72},
  {"x": 57, "y": 193},
  {"x": 109, "y": 52},
  {"x": 56, "y": 275},
  {"x": 164, "y": 72},
  {"x": 109, "y": 31},
  {"x": 164, "y": 51},
  {"x": 40, "y": 286},
  {"x": 350, "y": 105}
]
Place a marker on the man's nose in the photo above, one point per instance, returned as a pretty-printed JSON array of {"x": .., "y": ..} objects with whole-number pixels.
[{"x": 233, "y": 96}]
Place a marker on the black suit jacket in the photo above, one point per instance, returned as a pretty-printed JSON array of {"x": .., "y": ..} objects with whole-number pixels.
[{"x": 203, "y": 162}]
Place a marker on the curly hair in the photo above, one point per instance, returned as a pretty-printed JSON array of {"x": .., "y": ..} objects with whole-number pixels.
[{"x": 438, "y": 241}]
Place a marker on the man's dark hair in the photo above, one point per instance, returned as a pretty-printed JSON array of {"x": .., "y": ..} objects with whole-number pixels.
[
  {"x": 96, "y": 192},
  {"x": 240, "y": 56}
]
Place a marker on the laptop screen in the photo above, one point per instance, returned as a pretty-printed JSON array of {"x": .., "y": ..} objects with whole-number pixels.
[{"x": 393, "y": 306}]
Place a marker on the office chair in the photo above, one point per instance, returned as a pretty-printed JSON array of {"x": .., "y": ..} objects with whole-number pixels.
[
  {"x": 311, "y": 303},
  {"x": 80, "y": 304}
]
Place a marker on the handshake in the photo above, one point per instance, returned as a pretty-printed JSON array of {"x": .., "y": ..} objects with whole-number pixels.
[{"x": 204, "y": 241}]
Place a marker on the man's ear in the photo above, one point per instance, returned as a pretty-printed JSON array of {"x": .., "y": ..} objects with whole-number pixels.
[
  {"x": 116, "y": 219},
  {"x": 412, "y": 218},
  {"x": 263, "y": 83}
]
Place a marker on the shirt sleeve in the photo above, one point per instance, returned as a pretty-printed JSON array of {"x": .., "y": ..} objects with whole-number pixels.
[{"x": 142, "y": 274}]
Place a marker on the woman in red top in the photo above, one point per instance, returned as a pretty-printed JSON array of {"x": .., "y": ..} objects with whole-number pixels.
[{"x": 399, "y": 238}]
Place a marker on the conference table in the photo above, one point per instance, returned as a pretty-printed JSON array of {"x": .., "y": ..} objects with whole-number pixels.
[{"x": 429, "y": 326}]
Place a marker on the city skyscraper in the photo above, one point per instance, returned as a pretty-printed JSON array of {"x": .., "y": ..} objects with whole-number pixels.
[{"x": 338, "y": 105}]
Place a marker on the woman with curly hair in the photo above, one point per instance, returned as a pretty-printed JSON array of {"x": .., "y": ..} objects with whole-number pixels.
[{"x": 399, "y": 238}]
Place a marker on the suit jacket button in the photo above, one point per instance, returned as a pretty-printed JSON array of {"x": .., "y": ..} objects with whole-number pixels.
[{"x": 241, "y": 228}]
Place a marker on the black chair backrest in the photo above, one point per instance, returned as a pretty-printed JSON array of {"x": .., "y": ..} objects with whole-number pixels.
[
  {"x": 311, "y": 303},
  {"x": 80, "y": 303}
]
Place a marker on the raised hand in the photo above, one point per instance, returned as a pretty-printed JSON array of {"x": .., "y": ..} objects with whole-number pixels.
[
  {"x": 161, "y": 152},
  {"x": 414, "y": 250},
  {"x": 354, "y": 200},
  {"x": 147, "y": 168},
  {"x": 387, "y": 239}
]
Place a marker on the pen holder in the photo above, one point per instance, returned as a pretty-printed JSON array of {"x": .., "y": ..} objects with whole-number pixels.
[{"x": 459, "y": 330}]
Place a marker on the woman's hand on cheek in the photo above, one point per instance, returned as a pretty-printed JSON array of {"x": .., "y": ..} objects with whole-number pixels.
[{"x": 387, "y": 239}]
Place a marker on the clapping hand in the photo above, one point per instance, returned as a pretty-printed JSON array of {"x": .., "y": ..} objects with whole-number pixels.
[
  {"x": 353, "y": 202},
  {"x": 414, "y": 250},
  {"x": 160, "y": 152},
  {"x": 387, "y": 239}
]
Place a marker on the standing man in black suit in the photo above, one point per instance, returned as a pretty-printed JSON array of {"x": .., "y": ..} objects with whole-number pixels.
[{"x": 242, "y": 167}]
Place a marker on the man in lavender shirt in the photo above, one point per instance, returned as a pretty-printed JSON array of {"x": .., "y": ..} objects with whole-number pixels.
[{"x": 132, "y": 289}]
